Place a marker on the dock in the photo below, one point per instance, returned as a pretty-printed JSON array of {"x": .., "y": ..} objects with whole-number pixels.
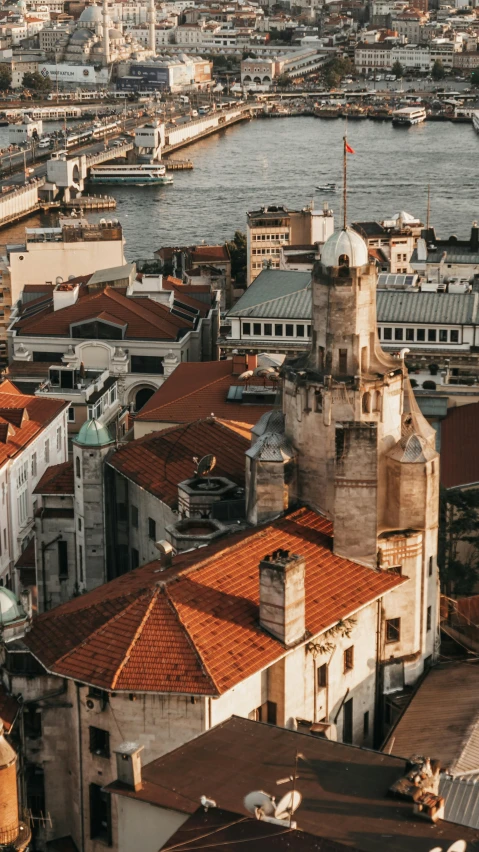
[
  {"x": 90, "y": 202},
  {"x": 177, "y": 165}
]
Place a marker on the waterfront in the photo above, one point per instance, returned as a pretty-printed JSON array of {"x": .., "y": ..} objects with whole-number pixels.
[{"x": 281, "y": 162}]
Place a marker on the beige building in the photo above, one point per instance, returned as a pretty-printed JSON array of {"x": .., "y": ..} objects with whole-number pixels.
[
  {"x": 392, "y": 242},
  {"x": 270, "y": 228}
]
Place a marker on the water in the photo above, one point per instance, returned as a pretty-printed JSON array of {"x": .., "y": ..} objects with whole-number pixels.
[{"x": 280, "y": 161}]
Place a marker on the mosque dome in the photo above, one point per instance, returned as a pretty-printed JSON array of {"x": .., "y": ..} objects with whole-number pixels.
[
  {"x": 10, "y": 609},
  {"x": 93, "y": 434},
  {"x": 115, "y": 34},
  {"x": 345, "y": 243},
  {"x": 91, "y": 15}
]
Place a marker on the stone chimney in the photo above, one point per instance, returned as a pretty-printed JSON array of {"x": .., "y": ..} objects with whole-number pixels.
[
  {"x": 128, "y": 765},
  {"x": 282, "y": 596},
  {"x": 65, "y": 295}
]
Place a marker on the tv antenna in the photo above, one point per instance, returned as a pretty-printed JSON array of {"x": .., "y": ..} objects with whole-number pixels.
[
  {"x": 264, "y": 807},
  {"x": 205, "y": 465}
]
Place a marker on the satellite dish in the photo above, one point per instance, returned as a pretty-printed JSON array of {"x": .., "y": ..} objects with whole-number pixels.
[
  {"x": 288, "y": 804},
  {"x": 205, "y": 465},
  {"x": 246, "y": 375},
  {"x": 259, "y": 801}
]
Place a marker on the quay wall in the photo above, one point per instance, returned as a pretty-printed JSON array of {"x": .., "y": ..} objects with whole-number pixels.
[
  {"x": 16, "y": 203},
  {"x": 196, "y": 128}
]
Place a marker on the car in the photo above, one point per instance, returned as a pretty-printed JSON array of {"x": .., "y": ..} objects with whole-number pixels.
[
  {"x": 194, "y": 113},
  {"x": 44, "y": 143}
]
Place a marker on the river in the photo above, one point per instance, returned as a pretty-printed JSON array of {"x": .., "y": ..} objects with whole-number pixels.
[{"x": 280, "y": 161}]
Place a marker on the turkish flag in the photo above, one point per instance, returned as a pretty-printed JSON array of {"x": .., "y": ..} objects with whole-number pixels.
[{"x": 348, "y": 148}]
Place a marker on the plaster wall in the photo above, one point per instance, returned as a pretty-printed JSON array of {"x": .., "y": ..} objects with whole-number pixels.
[{"x": 139, "y": 819}]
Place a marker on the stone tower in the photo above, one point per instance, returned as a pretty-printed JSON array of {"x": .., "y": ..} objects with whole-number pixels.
[
  {"x": 106, "y": 35},
  {"x": 152, "y": 26},
  {"x": 90, "y": 447},
  {"x": 366, "y": 456}
]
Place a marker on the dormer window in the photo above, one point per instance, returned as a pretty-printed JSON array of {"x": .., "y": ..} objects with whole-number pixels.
[{"x": 98, "y": 329}]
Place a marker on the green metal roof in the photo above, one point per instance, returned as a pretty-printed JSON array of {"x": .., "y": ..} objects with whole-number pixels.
[
  {"x": 93, "y": 434},
  {"x": 278, "y": 294},
  {"x": 444, "y": 308}
]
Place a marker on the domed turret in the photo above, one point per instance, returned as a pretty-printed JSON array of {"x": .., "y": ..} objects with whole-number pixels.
[
  {"x": 93, "y": 434},
  {"x": 344, "y": 248}
]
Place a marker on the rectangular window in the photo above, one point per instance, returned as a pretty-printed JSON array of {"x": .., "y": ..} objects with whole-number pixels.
[
  {"x": 393, "y": 630},
  {"x": 47, "y": 451},
  {"x": 80, "y": 563},
  {"x": 379, "y": 333},
  {"x": 278, "y": 329},
  {"x": 99, "y": 742},
  {"x": 246, "y": 328},
  {"x": 300, "y": 331},
  {"x": 62, "y": 559},
  {"x": 289, "y": 330},
  {"x": 134, "y": 516},
  {"x": 420, "y": 335},
  {"x": 257, "y": 328},
  {"x": 429, "y": 618},
  {"x": 366, "y": 724},
  {"x": 135, "y": 558},
  {"x": 322, "y": 676},
  {"x": 348, "y": 722},
  {"x": 71, "y": 414},
  {"x": 59, "y": 439},
  {"x": 152, "y": 364},
  {"x": 343, "y": 361},
  {"x": 34, "y": 464},
  {"x": 431, "y": 335},
  {"x": 348, "y": 658},
  {"x": 398, "y": 334},
  {"x": 431, "y": 566},
  {"x": 388, "y": 334},
  {"x": 268, "y": 329},
  {"x": 100, "y": 814},
  {"x": 309, "y": 331},
  {"x": 151, "y": 529},
  {"x": 454, "y": 335},
  {"x": 443, "y": 335},
  {"x": 409, "y": 334}
]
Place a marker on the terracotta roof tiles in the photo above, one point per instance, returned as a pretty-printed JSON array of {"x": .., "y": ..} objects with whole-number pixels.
[
  {"x": 194, "y": 628},
  {"x": 160, "y": 460},
  {"x": 57, "y": 479},
  {"x": 27, "y": 416}
]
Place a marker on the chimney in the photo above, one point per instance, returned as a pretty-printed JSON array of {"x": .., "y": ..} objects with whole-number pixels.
[
  {"x": 166, "y": 553},
  {"x": 65, "y": 294},
  {"x": 242, "y": 362},
  {"x": 128, "y": 765},
  {"x": 282, "y": 596},
  {"x": 474, "y": 236}
]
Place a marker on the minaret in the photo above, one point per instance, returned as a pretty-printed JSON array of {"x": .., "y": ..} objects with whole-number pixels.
[
  {"x": 152, "y": 22},
  {"x": 106, "y": 38}
]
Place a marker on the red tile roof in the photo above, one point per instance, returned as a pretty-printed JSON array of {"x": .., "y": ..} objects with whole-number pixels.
[
  {"x": 22, "y": 418},
  {"x": 459, "y": 449},
  {"x": 143, "y": 317},
  {"x": 8, "y": 387},
  {"x": 209, "y": 254},
  {"x": 160, "y": 460},
  {"x": 27, "y": 557},
  {"x": 194, "y": 628},
  {"x": 198, "y": 390},
  {"x": 57, "y": 479}
]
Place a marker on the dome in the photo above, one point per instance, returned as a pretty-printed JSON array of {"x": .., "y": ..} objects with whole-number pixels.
[
  {"x": 81, "y": 35},
  {"x": 93, "y": 434},
  {"x": 10, "y": 609},
  {"x": 115, "y": 34},
  {"x": 91, "y": 15},
  {"x": 346, "y": 242}
]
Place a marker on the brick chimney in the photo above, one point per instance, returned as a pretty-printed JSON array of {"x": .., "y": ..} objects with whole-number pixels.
[
  {"x": 282, "y": 596},
  {"x": 243, "y": 361}
]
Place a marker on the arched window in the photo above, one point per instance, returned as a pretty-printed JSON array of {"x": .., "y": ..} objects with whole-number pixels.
[
  {"x": 78, "y": 467},
  {"x": 366, "y": 403},
  {"x": 343, "y": 260}
]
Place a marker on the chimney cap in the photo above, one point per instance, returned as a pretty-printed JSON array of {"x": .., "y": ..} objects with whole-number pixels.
[{"x": 128, "y": 748}]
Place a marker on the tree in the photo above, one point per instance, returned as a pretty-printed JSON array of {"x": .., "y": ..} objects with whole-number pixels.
[
  {"x": 37, "y": 82},
  {"x": 283, "y": 80},
  {"x": 458, "y": 550},
  {"x": 336, "y": 70},
  {"x": 397, "y": 69},
  {"x": 5, "y": 77},
  {"x": 237, "y": 250},
  {"x": 438, "y": 72}
]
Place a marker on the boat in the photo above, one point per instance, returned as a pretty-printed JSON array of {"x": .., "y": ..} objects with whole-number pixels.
[
  {"x": 407, "y": 116},
  {"x": 475, "y": 121},
  {"x": 140, "y": 174},
  {"x": 327, "y": 187}
]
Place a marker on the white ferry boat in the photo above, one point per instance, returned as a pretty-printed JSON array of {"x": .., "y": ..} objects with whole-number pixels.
[
  {"x": 408, "y": 116},
  {"x": 475, "y": 121},
  {"x": 140, "y": 174}
]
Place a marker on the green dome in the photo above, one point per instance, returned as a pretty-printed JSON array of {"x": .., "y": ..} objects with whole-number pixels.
[
  {"x": 10, "y": 609},
  {"x": 93, "y": 434}
]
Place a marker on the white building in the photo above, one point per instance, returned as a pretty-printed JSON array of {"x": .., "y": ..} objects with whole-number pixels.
[{"x": 33, "y": 435}]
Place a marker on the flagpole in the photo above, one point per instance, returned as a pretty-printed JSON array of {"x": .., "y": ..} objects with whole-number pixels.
[{"x": 345, "y": 192}]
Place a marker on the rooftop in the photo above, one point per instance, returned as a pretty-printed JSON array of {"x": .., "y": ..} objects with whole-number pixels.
[
  {"x": 398, "y": 306},
  {"x": 344, "y": 788},
  {"x": 277, "y": 294},
  {"x": 22, "y": 418},
  {"x": 442, "y": 719},
  {"x": 57, "y": 479},
  {"x": 160, "y": 460},
  {"x": 197, "y": 630},
  {"x": 198, "y": 390},
  {"x": 459, "y": 450}
]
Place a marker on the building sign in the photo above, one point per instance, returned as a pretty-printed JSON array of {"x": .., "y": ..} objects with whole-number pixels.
[{"x": 64, "y": 73}]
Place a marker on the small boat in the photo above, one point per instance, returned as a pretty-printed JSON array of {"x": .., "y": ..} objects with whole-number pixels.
[
  {"x": 408, "y": 116},
  {"x": 327, "y": 187}
]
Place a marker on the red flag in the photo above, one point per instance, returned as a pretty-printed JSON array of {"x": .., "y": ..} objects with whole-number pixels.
[{"x": 348, "y": 148}]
